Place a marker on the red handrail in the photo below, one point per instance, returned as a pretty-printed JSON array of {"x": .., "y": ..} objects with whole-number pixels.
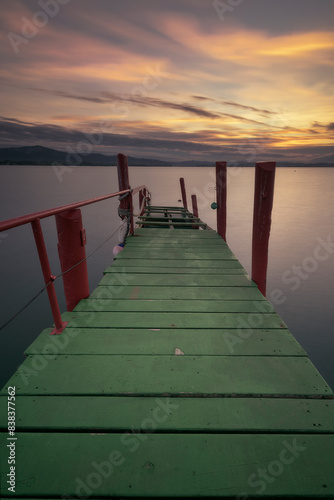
[
  {"x": 25, "y": 219},
  {"x": 34, "y": 219}
]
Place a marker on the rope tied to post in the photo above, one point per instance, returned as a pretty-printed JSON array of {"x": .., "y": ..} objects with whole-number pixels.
[{"x": 124, "y": 213}]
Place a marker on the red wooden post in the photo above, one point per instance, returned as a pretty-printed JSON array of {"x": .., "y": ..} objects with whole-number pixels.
[
  {"x": 263, "y": 204},
  {"x": 123, "y": 182},
  {"x": 141, "y": 197},
  {"x": 184, "y": 194},
  {"x": 194, "y": 204},
  {"x": 44, "y": 260},
  {"x": 195, "y": 207},
  {"x": 71, "y": 250},
  {"x": 132, "y": 228},
  {"x": 221, "y": 198}
]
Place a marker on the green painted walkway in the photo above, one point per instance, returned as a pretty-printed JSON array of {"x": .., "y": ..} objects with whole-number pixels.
[{"x": 176, "y": 378}]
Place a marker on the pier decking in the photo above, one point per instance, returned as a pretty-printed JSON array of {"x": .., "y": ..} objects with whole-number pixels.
[{"x": 175, "y": 378}]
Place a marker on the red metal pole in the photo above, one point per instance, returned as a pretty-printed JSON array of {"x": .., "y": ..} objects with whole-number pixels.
[
  {"x": 123, "y": 180},
  {"x": 43, "y": 257},
  {"x": 263, "y": 204},
  {"x": 71, "y": 250},
  {"x": 195, "y": 207},
  {"x": 221, "y": 198},
  {"x": 183, "y": 191}
]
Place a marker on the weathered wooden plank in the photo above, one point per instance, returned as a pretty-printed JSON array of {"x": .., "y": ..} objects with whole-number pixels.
[
  {"x": 173, "y": 233},
  {"x": 185, "y": 306},
  {"x": 148, "y": 320},
  {"x": 177, "y": 263},
  {"x": 184, "y": 224},
  {"x": 182, "y": 239},
  {"x": 217, "y": 245},
  {"x": 166, "y": 253},
  {"x": 168, "y": 375},
  {"x": 161, "y": 211},
  {"x": 173, "y": 270},
  {"x": 191, "y": 342},
  {"x": 219, "y": 415},
  {"x": 160, "y": 465},
  {"x": 157, "y": 218},
  {"x": 152, "y": 208},
  {"x": 120, "y": 290},
  {"x": 198, "y": 280}
]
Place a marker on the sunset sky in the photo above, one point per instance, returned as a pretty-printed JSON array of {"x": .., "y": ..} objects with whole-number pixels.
[{"x": 179, "y": 79}]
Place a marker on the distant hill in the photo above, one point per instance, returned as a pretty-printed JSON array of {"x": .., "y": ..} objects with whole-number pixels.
[{"x": 39, "y": 155}]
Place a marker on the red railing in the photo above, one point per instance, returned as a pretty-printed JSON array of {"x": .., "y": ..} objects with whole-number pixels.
[
  {"x": 72, "y": 240},
  {"x": 25, "y": 219}
]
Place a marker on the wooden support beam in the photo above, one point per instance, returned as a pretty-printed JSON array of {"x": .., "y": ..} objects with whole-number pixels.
[
  {"x": 184, "y": 194},
  {"x": 221, "y": 198},
  {"x": 123, "y": 180},
  {"x": 263, "y": 203},
  {"x": 71, "y": 251}
]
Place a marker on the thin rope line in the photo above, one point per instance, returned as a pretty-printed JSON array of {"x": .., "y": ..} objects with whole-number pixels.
[
  {"x": 26, "y": 305},
  {"x": 54, "y": 279}
]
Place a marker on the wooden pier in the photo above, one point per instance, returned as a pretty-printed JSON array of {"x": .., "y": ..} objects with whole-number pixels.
[{"x": 175, "y": 378}]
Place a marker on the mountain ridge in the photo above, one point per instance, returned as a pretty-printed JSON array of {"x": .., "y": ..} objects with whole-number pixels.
[{"x": 41, "y": 155}]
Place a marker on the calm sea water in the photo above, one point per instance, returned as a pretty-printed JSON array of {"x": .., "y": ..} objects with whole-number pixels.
[{"x": 301, "y": 259}]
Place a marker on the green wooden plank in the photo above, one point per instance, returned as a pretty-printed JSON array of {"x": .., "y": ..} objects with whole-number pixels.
[
  {"x": 163, "y": 207},
  {"x": 161, "y": 211},
  {"x": 156, "y": 218},
  {"x": 217, "y": 246},
  {"x": 160, "y": 465},
  {"x": 167, "y": 214},
  {"x": 185, "y": 306},
  {"x": 185, "y": 247},
  {"x": 226, "y": 280},
  {"x": 175, "y": 224},
  {"x": 223, "y": 254},
  {"x": 168, "y": 211},
  {"x": 174, "y": 247},
  {"x": 208, "y": 342},
  {"x": 136, "y": 319},
  {"x": 180, "y": 263},
  {"x": 195, "y": 236},
  {"x": 174, "y": 243},
  {"x": 173, "y": 233},
  {"x": 120, "y": 290},
  {"x": 218, "y": 415},
  {"x": 168, "y": 375},
  {"x": 124, "y": 268}
]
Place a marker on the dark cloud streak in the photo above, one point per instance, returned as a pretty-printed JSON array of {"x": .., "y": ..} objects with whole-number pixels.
[
  {"x": 328, "y": 126},
  {"x": 109, "y": 97},
  {"x": 36, "y": 133},
  {"x": 236, "y": 104}
]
